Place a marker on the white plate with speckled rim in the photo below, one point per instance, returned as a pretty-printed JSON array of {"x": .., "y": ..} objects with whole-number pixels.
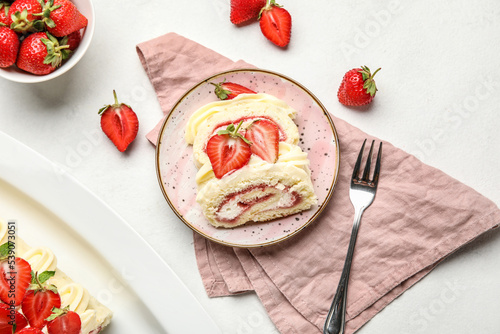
[{"x": 176, "y": 170}]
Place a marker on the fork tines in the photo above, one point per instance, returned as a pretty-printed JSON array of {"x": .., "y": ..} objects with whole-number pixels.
[{"x": 365, "y": 178}]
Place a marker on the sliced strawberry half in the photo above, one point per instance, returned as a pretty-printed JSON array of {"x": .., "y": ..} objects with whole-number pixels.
[
  {"x": 228, "y": 151},
  {"x": 7, "y": 315},
  {"x": 276, "y": 23},
  {"x": 229, "y": 90},
  {"x": 245, "y": 10},
  {"x": 265, "y": 137},
  {"x": 64, "y": 321},
  {"x": 15, "y": 276},
  {"x": 119, "y": 122},
  {"x": 40, "y": 299}
]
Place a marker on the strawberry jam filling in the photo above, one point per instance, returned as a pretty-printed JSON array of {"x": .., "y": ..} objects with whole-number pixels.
[
  {"x": 221, "y": 126},
  {"x": 234, "y": 205}
]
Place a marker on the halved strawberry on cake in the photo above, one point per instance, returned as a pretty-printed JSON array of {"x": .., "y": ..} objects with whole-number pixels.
[
  {"x": 246, "y": 108},
  {"x": 40, "y": 297}
]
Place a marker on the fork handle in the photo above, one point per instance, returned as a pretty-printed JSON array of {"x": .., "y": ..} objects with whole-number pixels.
[{"x": 335, "y": 320}]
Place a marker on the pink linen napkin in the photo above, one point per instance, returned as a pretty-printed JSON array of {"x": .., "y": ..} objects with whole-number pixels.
[{"x": 419, "y": 217}]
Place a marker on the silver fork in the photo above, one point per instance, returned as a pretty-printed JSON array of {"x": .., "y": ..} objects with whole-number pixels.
[{"x": 362, "y": 192}]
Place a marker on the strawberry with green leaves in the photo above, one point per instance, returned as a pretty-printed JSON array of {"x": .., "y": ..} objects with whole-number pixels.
[
  {"x": 40, "y": 299},
  {"x": 276, "y": 23},
  {"x": 229, "y": 90},
  {"x": 357, "y": 87},
  {"x": 245, "y": 10},
  {"x": 9, "y": 47},
  {"x": 119, "y": 122},
  {"x": 265, "y": 139},
  {"x": 7, "y": 315},
  {"x": 72, "y": 40},
  {"x": 62, "y": 17},
  {"x": 15, "y": 276},
  {"x": 64, "y": 321},
  {"x": 23, "y": 16},
  {"x": 4, "y": 12},
  {"x": 40, "y": 53},
  {"x": 228, "y": 150}
]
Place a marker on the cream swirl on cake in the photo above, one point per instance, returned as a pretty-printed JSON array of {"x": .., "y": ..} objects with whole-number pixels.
[
  {"x": 79, "y": 300},
  {"x": 94, "y": 316},
  {"x": 75, "y": 296},
  {"x": 262, "y": 189},
  {"x": 41, "y": 259}
]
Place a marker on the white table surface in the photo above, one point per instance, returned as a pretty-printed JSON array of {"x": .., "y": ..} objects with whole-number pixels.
[{"x": 439, "y": 92}]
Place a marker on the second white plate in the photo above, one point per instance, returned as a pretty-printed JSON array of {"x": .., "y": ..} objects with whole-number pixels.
[{"x": 95, "y": 247}]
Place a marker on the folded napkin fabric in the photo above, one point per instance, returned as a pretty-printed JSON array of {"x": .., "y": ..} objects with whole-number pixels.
[{"x": 420, "y": 216}]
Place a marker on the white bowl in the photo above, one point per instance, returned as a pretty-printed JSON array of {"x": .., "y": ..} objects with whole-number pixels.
[{"x": 14, "y": 74}]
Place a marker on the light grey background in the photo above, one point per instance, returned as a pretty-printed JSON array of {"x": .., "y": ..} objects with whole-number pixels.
[{"x": 439, "y": 92}]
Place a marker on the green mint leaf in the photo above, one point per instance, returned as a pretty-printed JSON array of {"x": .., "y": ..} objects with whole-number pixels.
[
  {"x": 4, "y": 250},
  {"x": 43, "y": 277}
]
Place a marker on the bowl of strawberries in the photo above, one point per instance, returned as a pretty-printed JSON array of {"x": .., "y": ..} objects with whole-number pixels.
[{"x": 42, "y": 39}]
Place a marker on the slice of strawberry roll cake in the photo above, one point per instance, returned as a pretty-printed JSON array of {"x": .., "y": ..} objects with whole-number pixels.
[
  {"x": 250, "y": 167},
  {"x": 259, "y": 191}
]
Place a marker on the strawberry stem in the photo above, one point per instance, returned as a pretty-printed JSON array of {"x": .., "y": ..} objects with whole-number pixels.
[
  {"x": 269, "y": 4},
  {"x": 38, "y": 281},
  {"x": 220, "y": 91},
  {"x": 233, "y": 132},
  {"x": 238, "y": 127},
  {"x": 116, "y": 98},
  {"x": 57, "y": 312},
  {"x": 56, "y": 53},
  {"x": 369, "y": 84}
]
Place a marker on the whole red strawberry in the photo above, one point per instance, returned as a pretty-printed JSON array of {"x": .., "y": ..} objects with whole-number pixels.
[
  {"x": 229, "y": 90},
  {"x": 6, "y": 314},
  {"x": 72, "y": 40},
  {"x": 40, "y": 53},
  {"x": 40, "y": 299},
  {"x": 24, "y": 16},
  {"x": 245, "y": 10},
  {"x": 62, "y": 17},
  {"x": 276, "y": 23},
  {"x": 64, "y": 321},
  {"x": 358, "y": 87},
  {"x": 119, "y": 122},
  {"x": 4, "y": 11},
  {"x": 228, "y": 151},
  {"x": 9, "y": 47}
]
